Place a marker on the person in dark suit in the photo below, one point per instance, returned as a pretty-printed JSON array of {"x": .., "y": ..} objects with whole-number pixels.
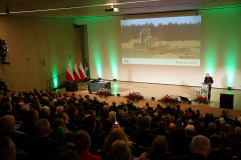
[
  {"x": 133, "y": 127},
  {"x": 199, "y": 148},
  {"x": 28, "y": 127},
  {"x": 208, "y": 80},
  {"x": 161, "y": 130},
  {"x": 143, "y": 137},
  {"x": 190, "y": 132},
  {"x": 73, "y": 116},
  {"x": 216, "y": 153},
  {"x": 40, "y": 146},
  {"x": 97, "y": 140}
]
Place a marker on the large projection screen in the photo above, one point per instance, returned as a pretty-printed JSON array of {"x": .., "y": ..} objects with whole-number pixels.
[{"x": 162, "y": 41}]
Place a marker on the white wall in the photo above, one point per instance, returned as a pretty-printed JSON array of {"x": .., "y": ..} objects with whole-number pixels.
[{"x": 219, "y": 27}]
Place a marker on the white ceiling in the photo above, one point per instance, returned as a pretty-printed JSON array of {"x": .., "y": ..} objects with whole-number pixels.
[{"x": 77, "y": 8}]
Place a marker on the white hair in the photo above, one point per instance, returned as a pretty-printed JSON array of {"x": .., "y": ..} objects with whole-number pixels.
[
  {"x": 60, "y": 109},
  {"x": 54, "y": 100},
  {"x": 222, "y": 120},
  {"x": 112, "y": 114},
  {"x": 190, "y": 130}
]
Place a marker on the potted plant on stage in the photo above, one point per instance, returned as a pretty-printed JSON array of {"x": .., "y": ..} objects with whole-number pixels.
[
  {"x": 201, "y": 97},
  {"x": 104, "y": 92},
  {"x": 170, "y": 99},
  {"x": 135, "y": 96}
]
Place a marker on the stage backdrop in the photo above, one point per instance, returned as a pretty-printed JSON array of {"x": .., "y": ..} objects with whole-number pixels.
[{"x": 220, "y": 51}]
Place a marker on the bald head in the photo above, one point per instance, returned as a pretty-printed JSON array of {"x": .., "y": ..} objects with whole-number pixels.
[
  {"x": 201, "y": 145},
  {"x": 24, "y": 110},
  {"x": 190, "y": 122},
  {"x": 172, "y": 127},
  {"x": 7, "y": 123},
  {"x": 155, "y": 115}
]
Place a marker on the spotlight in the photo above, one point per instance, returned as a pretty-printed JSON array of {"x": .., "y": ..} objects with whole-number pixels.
[
  {"x": 3, "y": 42},
  {"x": 7, "y": 10},
  {"x": 99, "y": 78},
  {"x": 3, "y": 48},
  {"x": 153, "y": 98},
  {"x": 229, "y": 88},
  {"x": 114, "y": 79}
]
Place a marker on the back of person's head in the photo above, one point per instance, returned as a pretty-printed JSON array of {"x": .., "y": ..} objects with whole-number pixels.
[
  {"x": 33, "y": 115},
  {"x": 108, "y": 123},
  {"x": 198, "y": 111},
  {"x": 7, "y": 123},
  {"x": 226, "y": 140},
  {"x": 24, "y": 110},
  {"x": 215, "y": 141},
  {"x": 190, "y": 130},
  {"x": 42, "y": 128},
  {"x": 201, "y": 145},
  {"x": 82, "y": 141},
  {"x": 171, "y": 119},
  {"x": 155, "y": 115},
  {"x": 115, "y": 134},
  {"x": 178, "y": 107},
  {"x": 211, "y": 115},
  {"x": 147, "y": 104},
  {"x": 206, "y": 115},
  {"x": 7, "y": 106},
  {"x": 159, "y": 145},
  {"x": 112, "y": 114},
  {"x": 133, "y": 120},
  {"x": 91, "y": 112},
  {"x": 144, "y": 123},
  {"x": 225, "y": 129},
  {"x": 67, "y": 155},
  {"x": 232, "y": 130},
  {"x": 125, "y": 116},
  {"x": 72, "y": 110},
  {"x": 120, "y": 150},
  {"x": 90, "y": 123},
  {"x": 60, "y": 109},
  {"x": 212, "y": 126},
  {"x": 7, "y": 149},
  {"x": 81, "y": 109},
  {"x": 222, "y": 120},
  {"x": 162, "y": 125},
  {"x": 59, "y": 122},
  {"x": 45, "y": 111},
  {"x": 179, "y": 121}
]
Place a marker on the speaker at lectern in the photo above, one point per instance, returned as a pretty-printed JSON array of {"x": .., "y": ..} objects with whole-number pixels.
[{"x": 205, "y": 87}]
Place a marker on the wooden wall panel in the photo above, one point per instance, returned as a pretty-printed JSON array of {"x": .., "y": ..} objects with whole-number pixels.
[{"x": 38, "y": 38}]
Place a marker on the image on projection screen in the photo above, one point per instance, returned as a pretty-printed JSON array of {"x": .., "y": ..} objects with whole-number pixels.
[{"x": 162, "y": 41}]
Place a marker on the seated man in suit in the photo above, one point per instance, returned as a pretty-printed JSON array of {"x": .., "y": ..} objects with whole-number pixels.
[
  {"x": 125, "y": 120},
  {"x": 161, "y": 130},
  {"x": 216, "y": 153},
  {"x": 143, "y": 137},
  {"x": 155, "y": 120},
  {"x": 7, "y": 149},
  {"x": 97, "y": 140},
  {"x": 73, "y": 116},
  {"x": 131, "y": 107},
  {"x": 23, "y": 114},
  {"x": 40, "y": 146},
  {"x": 7, "y": 124},
  {"x": 121, "y": 106},
  {"x": 113, "y": 107},
  {"x": 28, "y": 127},
  {"x": 133, "y": 127},
  {"x": 8, "y": 109},
  {"x": 190, "y": 132}
]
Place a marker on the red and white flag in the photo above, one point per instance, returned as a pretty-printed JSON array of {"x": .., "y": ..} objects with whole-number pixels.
[
  {"x": 76, "y": 73},
  {"x": 69, "y": 74},
  {"x": 81, "y": 72}
]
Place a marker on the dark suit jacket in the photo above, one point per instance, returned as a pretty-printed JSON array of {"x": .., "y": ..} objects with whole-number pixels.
[
  {"x": 208, "y": 80},
  {"x": 129, "y": 130},
  {"x": 71, "y": 127},
  {"x": 18, "y": 139},
  {"x": 195, "y": 156},
  {"x": 219, "y": 155},
  {"x": 142, "y": 138},
  {"x": 28, "y": 128},
  {"x": 163, "y": 133},
  {"x": 76, "y": 120},
  {"x": 154, "y": 122},
  {"x": 97, "y": 140},
  {"x": 43, "y": 147}
]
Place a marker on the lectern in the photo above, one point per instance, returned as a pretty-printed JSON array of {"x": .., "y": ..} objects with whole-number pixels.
[{"x": 205, "y": 87}]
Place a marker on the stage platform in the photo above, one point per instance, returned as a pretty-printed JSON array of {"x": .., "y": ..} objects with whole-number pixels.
[{"x": 159, "y": 90}]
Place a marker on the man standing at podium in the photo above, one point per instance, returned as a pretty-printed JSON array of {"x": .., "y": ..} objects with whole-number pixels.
[{"x": 208, "y": 80}]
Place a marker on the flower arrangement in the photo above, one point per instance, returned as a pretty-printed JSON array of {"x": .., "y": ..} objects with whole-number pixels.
[
  {"x": 104, "y": 92},
  {"x": 201, "y": 99},
  {"x": 170, "y": 99},
  {"x": 135, "y": 96}
]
